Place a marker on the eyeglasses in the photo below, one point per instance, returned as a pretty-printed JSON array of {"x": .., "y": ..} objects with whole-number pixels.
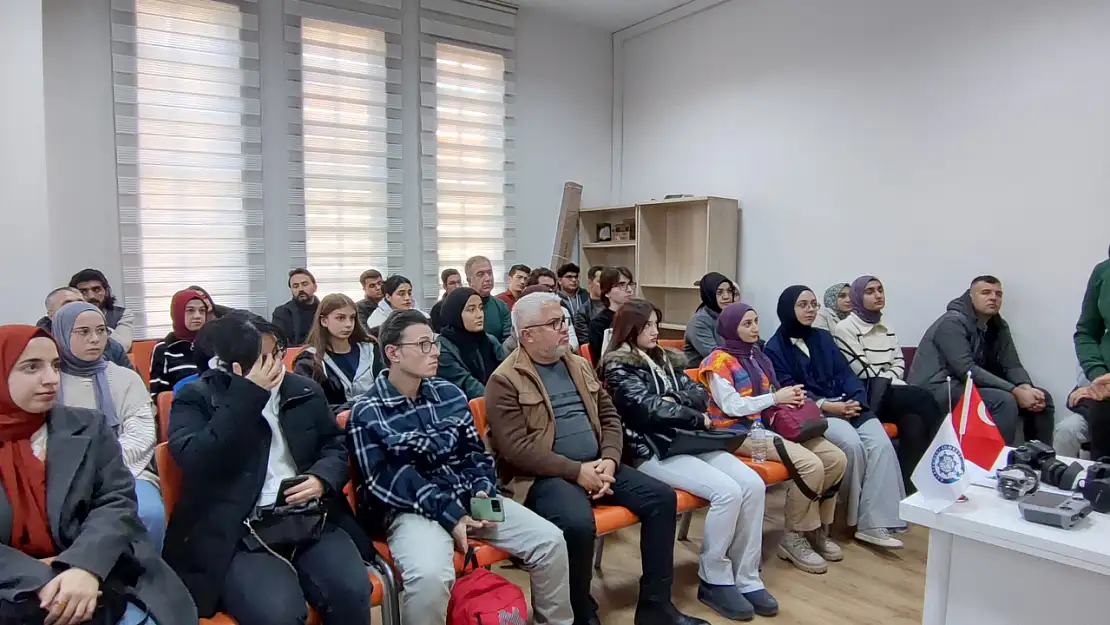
[
  {"x": 626, "y": 286},
  {"x": 557, "y": 325},
  {"x": 728, "y": 291},
  {"x": 807, "y": 306},
  {"x": 426, "y": 346},
  {"x": 84, "y": 333}
]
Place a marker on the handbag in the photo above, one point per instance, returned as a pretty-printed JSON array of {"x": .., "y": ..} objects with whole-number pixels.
[
  {"x": 110, "y": 607},
  {"x": 274, "y": 527},
  {"x": 695, "y": 442},
  {"x": 796, "y": 423},
  {"x": 876, "y": 391}
]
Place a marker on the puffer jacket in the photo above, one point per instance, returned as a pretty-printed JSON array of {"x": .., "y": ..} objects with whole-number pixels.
[{"x": 640, "y": 396}]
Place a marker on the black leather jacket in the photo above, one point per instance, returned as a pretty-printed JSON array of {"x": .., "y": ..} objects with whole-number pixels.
[{"x": 641, "y": 398}]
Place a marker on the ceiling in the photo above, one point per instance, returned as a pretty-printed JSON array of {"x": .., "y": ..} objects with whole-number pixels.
[{"x": 612, "y": 15}]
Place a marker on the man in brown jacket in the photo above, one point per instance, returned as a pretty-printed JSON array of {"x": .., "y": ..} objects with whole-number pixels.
[{"x": 557, "y": 439}]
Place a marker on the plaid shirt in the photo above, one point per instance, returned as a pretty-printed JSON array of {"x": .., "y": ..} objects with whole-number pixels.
[{"x": 422, "y": 456}]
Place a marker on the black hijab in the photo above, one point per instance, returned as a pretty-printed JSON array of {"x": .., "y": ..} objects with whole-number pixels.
[
  {"x": 791, "y": 328},
  {"x": 708, "y": 286},
  {"x": 475, "y": 349}
]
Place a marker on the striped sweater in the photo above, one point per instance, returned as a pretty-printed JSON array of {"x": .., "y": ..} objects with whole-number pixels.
[
  {"x": 172, "y": 360},
  {"x": 872, "y": 350},
  {"x": 136, "y": 431}
]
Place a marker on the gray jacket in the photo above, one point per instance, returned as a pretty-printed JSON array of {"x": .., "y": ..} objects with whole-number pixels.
[
  {"x": 955, "y": 344},
  {"x": 701, "y": 336},
  {"x": 90, "y": 505}
]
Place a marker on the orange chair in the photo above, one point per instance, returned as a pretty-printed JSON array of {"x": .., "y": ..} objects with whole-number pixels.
[
  {"x": 141, "y": 354},
  {"x": 584, "y": 351},
  {"x": 291, "y": 354},
  {"x": 165, "y": 401},
  {"x": 891, "y": 430},
  {"x": 678, "y": 344}
]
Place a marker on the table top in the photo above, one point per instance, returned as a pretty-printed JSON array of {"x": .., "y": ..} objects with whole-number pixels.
[{"x": 988, "y": 518}]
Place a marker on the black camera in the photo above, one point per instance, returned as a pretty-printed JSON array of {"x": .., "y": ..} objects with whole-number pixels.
[
  {"x": 1041, "y": 457},
  {"x": 1099, "y": 470}
]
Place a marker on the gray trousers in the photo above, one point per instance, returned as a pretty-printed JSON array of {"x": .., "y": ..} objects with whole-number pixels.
[
  {"x": 872, "y": 485},
  {"x": 424, "y": 554}
]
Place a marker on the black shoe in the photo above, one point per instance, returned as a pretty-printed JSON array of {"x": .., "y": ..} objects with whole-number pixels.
[
  {"x": 727, "y": 601},
  {"x": 763, "y": 602},
  {"x": 666, "y": 614}
]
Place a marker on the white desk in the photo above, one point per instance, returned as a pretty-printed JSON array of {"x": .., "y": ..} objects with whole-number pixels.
[{"x": 987, "y": 566}]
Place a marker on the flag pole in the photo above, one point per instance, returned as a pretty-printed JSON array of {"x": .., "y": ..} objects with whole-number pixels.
[
  {"x": 967, "y": 407},
  {"x": 948, "y": 385}
]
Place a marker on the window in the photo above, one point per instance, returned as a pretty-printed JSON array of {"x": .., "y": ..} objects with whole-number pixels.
[
  {"x": 349, "y": 140},
  {"x": 188, "y": 152}
]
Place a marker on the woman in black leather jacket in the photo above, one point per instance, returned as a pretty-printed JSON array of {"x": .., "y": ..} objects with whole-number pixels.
[{"x": 655, "y": 399}]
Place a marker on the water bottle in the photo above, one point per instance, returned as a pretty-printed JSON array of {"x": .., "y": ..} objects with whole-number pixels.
[{"x": 758, "y": 435}]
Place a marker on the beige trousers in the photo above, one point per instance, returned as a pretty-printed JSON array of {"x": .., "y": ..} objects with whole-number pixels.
[{"x": 821, "y": 464}]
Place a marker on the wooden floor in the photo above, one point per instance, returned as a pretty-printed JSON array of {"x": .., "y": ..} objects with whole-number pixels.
[{"x": 869, "y": 587}]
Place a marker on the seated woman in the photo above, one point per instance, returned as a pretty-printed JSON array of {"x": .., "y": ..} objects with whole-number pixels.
[
  {"x": 90, "y": 381},
  {"x": 241, "y": 435},
  {"x": 397, "y": 295},
  {"x": 742, "y": 384},
  {"x": 71, "y": 546},
  {"x": 467, "y": 355},
  {"x": 173, "y": 357},
  {"x": 617, "y": 287},
  {"x": 701, "y": 336},
  {"x": 339, "y": 355},
  {"x": 837, "y": 306},
  {"x": 655, "y": 398},
  {"x": 875, "y": 357},
  {"x": 802, "y": 354}
]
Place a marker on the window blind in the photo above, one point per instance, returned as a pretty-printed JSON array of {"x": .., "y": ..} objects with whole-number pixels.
[
  {"x": 467, "y": 171},
  {"x": 344, "y": 77},
  {"x": 188, "y": 154}
]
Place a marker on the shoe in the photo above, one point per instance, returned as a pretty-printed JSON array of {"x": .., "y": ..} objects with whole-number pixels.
[
  {"x": 825, "y": 546},
  {"x": 900, "y": 530},
  {"x": 880, "y": 537},
  {"x": 762, "y": 601},
  {"x": 727, "y": 601},
  {"x": 666, "y": 614},
  {"x": 795, "y": 548}
]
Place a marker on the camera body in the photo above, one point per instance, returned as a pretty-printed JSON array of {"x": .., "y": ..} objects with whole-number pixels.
[
  {"x": 1099, "y": 470},
  {"x": 1032, "y": 454},
  {"x": 1041, "y": 457}
]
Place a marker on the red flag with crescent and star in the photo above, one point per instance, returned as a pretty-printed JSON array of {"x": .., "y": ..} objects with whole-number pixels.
[{"x": 979, "y": 437}]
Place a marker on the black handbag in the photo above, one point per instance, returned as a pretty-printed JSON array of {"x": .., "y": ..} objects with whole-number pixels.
[
  {"x": 280, "y": 527},
  {"x": 110, "y": 607},
  {"x": 695, "y": 442},
  {"x": 876, "y": 390}
]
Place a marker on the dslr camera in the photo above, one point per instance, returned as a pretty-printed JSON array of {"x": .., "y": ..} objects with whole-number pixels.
[
  {"x": 1096, "y": 485},
  {"x": 1042, "y": 458}
]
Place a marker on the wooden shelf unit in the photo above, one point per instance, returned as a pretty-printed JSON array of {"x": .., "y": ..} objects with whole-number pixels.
[{"x": 676, "y": 243}]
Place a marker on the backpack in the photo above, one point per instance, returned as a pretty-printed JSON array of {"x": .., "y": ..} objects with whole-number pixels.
[{"x": 484, "y": 598}]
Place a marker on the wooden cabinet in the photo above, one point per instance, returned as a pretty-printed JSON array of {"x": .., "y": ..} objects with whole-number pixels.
[{"x": 675, "y": 242}]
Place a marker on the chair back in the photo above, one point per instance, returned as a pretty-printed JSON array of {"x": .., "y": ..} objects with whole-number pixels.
[
  {"x": 678, "y": 344},
  {"x": 165, "y": 402},
  {"x": 478, "y": 411},
  {"x": 692, "y": 374},
  {"x": 908, "y": 353},
  {"x": 291, "y": 354},
  {"x": 169, "y": 477},
  {"x": 141, "y": 354},
  {"x": 584, "y": 351}
]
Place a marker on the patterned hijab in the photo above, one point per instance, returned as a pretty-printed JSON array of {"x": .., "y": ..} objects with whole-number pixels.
[
  {"x": 831, "y": 295},
  {"x": 64, "y": 321}
]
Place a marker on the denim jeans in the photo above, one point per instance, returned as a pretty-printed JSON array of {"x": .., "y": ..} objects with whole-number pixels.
[{"x": 152, "y": 512}]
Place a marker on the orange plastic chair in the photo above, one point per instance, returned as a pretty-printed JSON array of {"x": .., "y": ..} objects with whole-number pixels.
[
  {"x": 141, "y": 354},
  {"x": 692, "y": 374},
  {"x": 678, "y": 344},
  {"x": 291, "y": 354},
  {"x": 584, "y": 351},
  {"x": 165, "y": 401},
  {"x": 478, "y": 412},
  {"x": 891, "y": 430}
]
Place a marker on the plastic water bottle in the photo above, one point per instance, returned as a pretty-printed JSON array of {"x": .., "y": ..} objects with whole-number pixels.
[{"x": 758, "y": 435}]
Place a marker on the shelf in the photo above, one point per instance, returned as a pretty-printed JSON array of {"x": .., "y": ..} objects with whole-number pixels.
[
  {"x": 669, "y": 286},
  {"x": 603, "y": 209},
  {"x": 604, "y": 244},
  {"x": 681, "y": 327},
  {"x": 679, "y": 200}
]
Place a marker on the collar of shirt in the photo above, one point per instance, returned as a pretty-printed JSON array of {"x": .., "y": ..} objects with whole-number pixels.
[{"x": 393, "y": 398}]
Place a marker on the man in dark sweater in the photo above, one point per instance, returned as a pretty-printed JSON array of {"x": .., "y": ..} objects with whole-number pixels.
[
  {"x": 295, "y": 317},
  {"x": 594, "y": 305},
  {"x": 94, "y": 287},
  {"x": 371, "y": 281},
  {"x": 973, "y": 337},
  {"x": 451, "y": 280}
]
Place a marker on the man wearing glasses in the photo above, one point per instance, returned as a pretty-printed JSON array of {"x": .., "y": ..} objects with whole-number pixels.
[
  {"x": 558, "y": 441},
  {"x": 422, "y": 464}
]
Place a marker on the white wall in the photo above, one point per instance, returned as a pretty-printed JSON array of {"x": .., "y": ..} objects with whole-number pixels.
[
  {"x": 564, "y": 124},
  {"x": 24, "y": 213},
  {"x": 923, "y": 142}
]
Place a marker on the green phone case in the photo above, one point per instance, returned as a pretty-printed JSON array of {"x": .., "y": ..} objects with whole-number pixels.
[{"x": 490, "y": 509}]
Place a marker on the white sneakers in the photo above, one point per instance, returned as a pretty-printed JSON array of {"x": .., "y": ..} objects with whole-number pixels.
[{"x": 880, "y": 537}]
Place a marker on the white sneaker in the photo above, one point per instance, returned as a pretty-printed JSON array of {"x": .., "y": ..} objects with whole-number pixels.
[
  {"x": 795, "y": 549},
  {"x": 880, "y": 537}
]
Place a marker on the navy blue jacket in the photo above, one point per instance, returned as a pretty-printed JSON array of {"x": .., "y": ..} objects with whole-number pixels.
[{"x": 825, "y": 373}]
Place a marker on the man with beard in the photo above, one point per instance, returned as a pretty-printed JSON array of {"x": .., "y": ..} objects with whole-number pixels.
[
  {"x": 61, "y": 296},
  {"x": 479, "y": 275},
  {"x": 95, "y": 289},
  {"x": 295, "y": 317}
]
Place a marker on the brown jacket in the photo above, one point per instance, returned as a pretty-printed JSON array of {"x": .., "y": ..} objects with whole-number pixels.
[{"x": 522, "y": 422}]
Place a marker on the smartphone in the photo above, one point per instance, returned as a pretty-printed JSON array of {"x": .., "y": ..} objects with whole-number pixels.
[
  {"x": 489, "y": 509},
  {"x": 285, "y": 485}
]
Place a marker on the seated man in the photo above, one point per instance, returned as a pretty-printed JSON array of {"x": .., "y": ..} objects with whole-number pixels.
[
  {"x": 558, "y": 441},
  {"x": 421, "y": 463},
  {"x": 1073, "y": 432},
  {"x": 114, "y": 351},
  {"x": 515, "y": 281},
  {"x": 973, "y": 336},
  {"x": 593, "y": 306},
  {"x": 94, "y": 287},
  {"x": 451, "y": 280},
  {"x": 371, "y": 281}
]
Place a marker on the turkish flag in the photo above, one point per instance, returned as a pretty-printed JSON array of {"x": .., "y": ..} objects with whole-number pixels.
[{"x": 979, "y": 437}]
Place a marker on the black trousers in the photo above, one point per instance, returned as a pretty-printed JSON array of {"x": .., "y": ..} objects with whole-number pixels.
[
  {"x": 261, "y": 589},
  {"x": 567, "y": 505},
  {"x": 1097, "y": 414},
  {"x": 918, "y": 417}
]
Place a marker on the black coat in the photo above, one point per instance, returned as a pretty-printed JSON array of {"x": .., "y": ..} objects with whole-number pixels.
[
  {"x": 638, "y": 393},
  {"x": 221, "y": 442},
  {"x": 295, "y": 320}
]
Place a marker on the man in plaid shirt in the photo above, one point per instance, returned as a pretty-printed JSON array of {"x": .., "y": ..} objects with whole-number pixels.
[{"x": 420, "y": 457}]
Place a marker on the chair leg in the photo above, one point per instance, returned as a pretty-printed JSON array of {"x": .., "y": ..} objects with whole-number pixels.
[
  {"x": 684, "y": 524},
  {"x": 599, "y": 549},
  {"x": 391, "y": 592}
]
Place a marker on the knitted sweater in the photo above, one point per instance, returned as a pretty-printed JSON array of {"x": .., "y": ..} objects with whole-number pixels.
[
  {"x": 136, "y": 431},
  {"x": 871, "y": 350}
]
